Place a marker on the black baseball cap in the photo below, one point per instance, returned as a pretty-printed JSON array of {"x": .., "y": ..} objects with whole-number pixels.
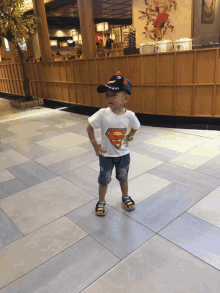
[{"x": 117, "y": 83}]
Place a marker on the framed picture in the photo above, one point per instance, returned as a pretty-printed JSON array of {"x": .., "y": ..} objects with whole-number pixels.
[{"x": 208, "y": 11}]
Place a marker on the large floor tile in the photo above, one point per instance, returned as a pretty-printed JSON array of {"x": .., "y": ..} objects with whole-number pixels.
[
  {"x": 163, "y": 207},
  {"x": 29, "y": 127},
  {"x": 195, "y": 157},
  {"x": 117, "y": 232},
  {"x": 11, "y": 158},
  {"x": 154, "y": 151},
  {"x": 195, "y": 236},
  {"x": 208, "y": 209},
  {"x": 63, "y": 272},
  {"x": 46, "y": 120},
  {"x": 63, "y": 141},
  {"x": 20, "y": 140},
  {"x": 5, "y": 133},
  {"x": 198, "y": 132},
  {"x": 31, "y": 173},
  {"x": 139, "y": 164},
  {"x": 60, "y": 156},
  {"x": 5, "y": 176},
  {"x": 211, "y": 167},
  {"x": 155, "y": 130},
  {"x": 10, "y": 187},
  {"x": 30, "y": 251},
  {"x": 174, "y": 141},
  {"x": 80, "y": 129},
  {"x": 87, "y": 179},
  {"x": 192, "y": 179},
  {"x": 158, "y": 266},
  {"x": 70, "y": 164},
  {"x": 8, "y": 231},
  {"x": 139, "y": 189},
  {"x": 3, "y": 147},
  {"x": 33, "y": 151},
  {"x": 88, "y": 146},
  {"x": 41, "y": 204}
]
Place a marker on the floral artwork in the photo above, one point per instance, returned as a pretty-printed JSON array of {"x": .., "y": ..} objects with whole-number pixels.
[{"x": 157, "y": 14}]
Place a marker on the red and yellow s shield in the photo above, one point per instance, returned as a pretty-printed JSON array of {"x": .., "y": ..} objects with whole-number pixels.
[{"x": 116, "y": 136}]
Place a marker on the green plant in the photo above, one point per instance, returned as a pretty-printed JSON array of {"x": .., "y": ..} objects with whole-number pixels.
[{"x": 16, "y": 27}]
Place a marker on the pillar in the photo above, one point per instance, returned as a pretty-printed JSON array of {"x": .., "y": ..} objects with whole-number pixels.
[
  {"x": 36, "y": 45},
  {"x": 42, "y": 28},
  {"x": 87, "y": 28}
]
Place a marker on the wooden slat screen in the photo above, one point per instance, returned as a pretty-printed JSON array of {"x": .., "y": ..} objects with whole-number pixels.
[{"x": 184, "y": 83}]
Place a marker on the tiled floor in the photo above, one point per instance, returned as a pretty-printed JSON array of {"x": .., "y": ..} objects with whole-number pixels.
[{"x": 50, "y": 238}]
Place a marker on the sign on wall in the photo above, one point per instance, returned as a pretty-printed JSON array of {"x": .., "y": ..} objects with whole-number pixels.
[{"x": 208, "y": 11}]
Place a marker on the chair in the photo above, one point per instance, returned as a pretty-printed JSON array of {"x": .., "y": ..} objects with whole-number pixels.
[{"x": 117, "y": 49}]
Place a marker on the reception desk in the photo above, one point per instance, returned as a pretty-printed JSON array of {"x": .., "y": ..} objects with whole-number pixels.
[{"x": 184, "y": 83}]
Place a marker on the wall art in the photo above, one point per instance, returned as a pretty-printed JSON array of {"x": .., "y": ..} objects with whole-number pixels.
[
  {"x": 208, "y": 11},
  {"x": 158, "y": 22}
]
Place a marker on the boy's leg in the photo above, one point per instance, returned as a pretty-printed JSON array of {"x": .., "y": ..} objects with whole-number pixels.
[
  {"x": 124, "y": 188},
  {"x": 102, "y": 192},
  {"x": 122, "y": 167},
  {"x": 106, "y": 167}
]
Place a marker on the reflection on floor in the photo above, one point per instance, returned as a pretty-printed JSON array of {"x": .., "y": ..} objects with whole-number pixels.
[{"x": 52, "y": 241}]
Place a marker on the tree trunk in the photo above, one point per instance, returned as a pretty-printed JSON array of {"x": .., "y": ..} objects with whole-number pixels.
[{"x": 26, "y": 84}]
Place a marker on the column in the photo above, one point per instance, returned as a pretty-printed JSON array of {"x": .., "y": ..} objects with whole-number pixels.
[
  {"x": 87, "y": 28},
  {"x": 36, "y": 45},
  {"x": 42, "y": 28}
]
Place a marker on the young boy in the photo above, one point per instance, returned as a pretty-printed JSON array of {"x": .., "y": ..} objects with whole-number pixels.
[{"x": 114, "y": 122}]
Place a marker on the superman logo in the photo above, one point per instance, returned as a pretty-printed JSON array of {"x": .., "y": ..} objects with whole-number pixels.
[{"x": 116, "y": 136}]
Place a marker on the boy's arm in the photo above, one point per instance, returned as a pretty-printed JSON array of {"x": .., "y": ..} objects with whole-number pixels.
[
  {"x": 132, "y": 132},
  {"x": 91, "y": 136}
]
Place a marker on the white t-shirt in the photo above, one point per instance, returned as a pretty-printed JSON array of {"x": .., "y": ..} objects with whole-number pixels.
[{"x": 113, "y": 128}]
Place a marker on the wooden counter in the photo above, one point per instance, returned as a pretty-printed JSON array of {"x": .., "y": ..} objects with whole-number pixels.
[{"x": 184, "y": 83}]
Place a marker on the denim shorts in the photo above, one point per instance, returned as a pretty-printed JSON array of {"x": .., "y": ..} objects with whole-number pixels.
[{"x": 107, "y": 164}]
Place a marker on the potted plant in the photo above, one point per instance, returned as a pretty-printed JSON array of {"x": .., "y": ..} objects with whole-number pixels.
[{"x": 17, "y": 27}]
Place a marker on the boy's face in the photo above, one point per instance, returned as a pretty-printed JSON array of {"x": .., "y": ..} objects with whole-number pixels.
[{"x": 116, "y": 99}]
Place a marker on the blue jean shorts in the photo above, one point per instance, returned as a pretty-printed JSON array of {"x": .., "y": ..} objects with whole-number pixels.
[{"x": 107, "y": 164}]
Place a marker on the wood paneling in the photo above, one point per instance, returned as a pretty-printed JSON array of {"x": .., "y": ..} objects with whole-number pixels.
[
  {"x": 135, "y": 101},
  {"x": 183, "y": 100},
  {"x": 165, "y": 100},
  {"x": 205, "y": 66},
  {"x": 185, "y": 83},
  {"x": 122, "y": 65},
  {"x": 134, "y": 64},
  {"x": 166, "y": 68},
  {"x": 184, "y": 67},
  {"x": 102, "y": 79},
  {"x": 203, "y": 100},
  {"x": 150, "y": 100},
  {"x": 149, "y": 64}
]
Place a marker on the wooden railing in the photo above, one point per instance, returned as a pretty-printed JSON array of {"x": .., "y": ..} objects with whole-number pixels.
[{"x": 185, "y": 83}]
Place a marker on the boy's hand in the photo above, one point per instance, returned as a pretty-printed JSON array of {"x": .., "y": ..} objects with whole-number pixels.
[
  {"x": 125, "y": 140},
  {"x": 99, "y": 150}
]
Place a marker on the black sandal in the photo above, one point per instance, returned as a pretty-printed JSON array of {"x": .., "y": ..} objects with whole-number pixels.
[
  {"x": 100, "y": 208},
  {"x": 127, "y": 201}
]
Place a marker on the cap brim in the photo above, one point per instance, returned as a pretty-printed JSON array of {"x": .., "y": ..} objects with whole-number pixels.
[{"x": 105, "y": 88}]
